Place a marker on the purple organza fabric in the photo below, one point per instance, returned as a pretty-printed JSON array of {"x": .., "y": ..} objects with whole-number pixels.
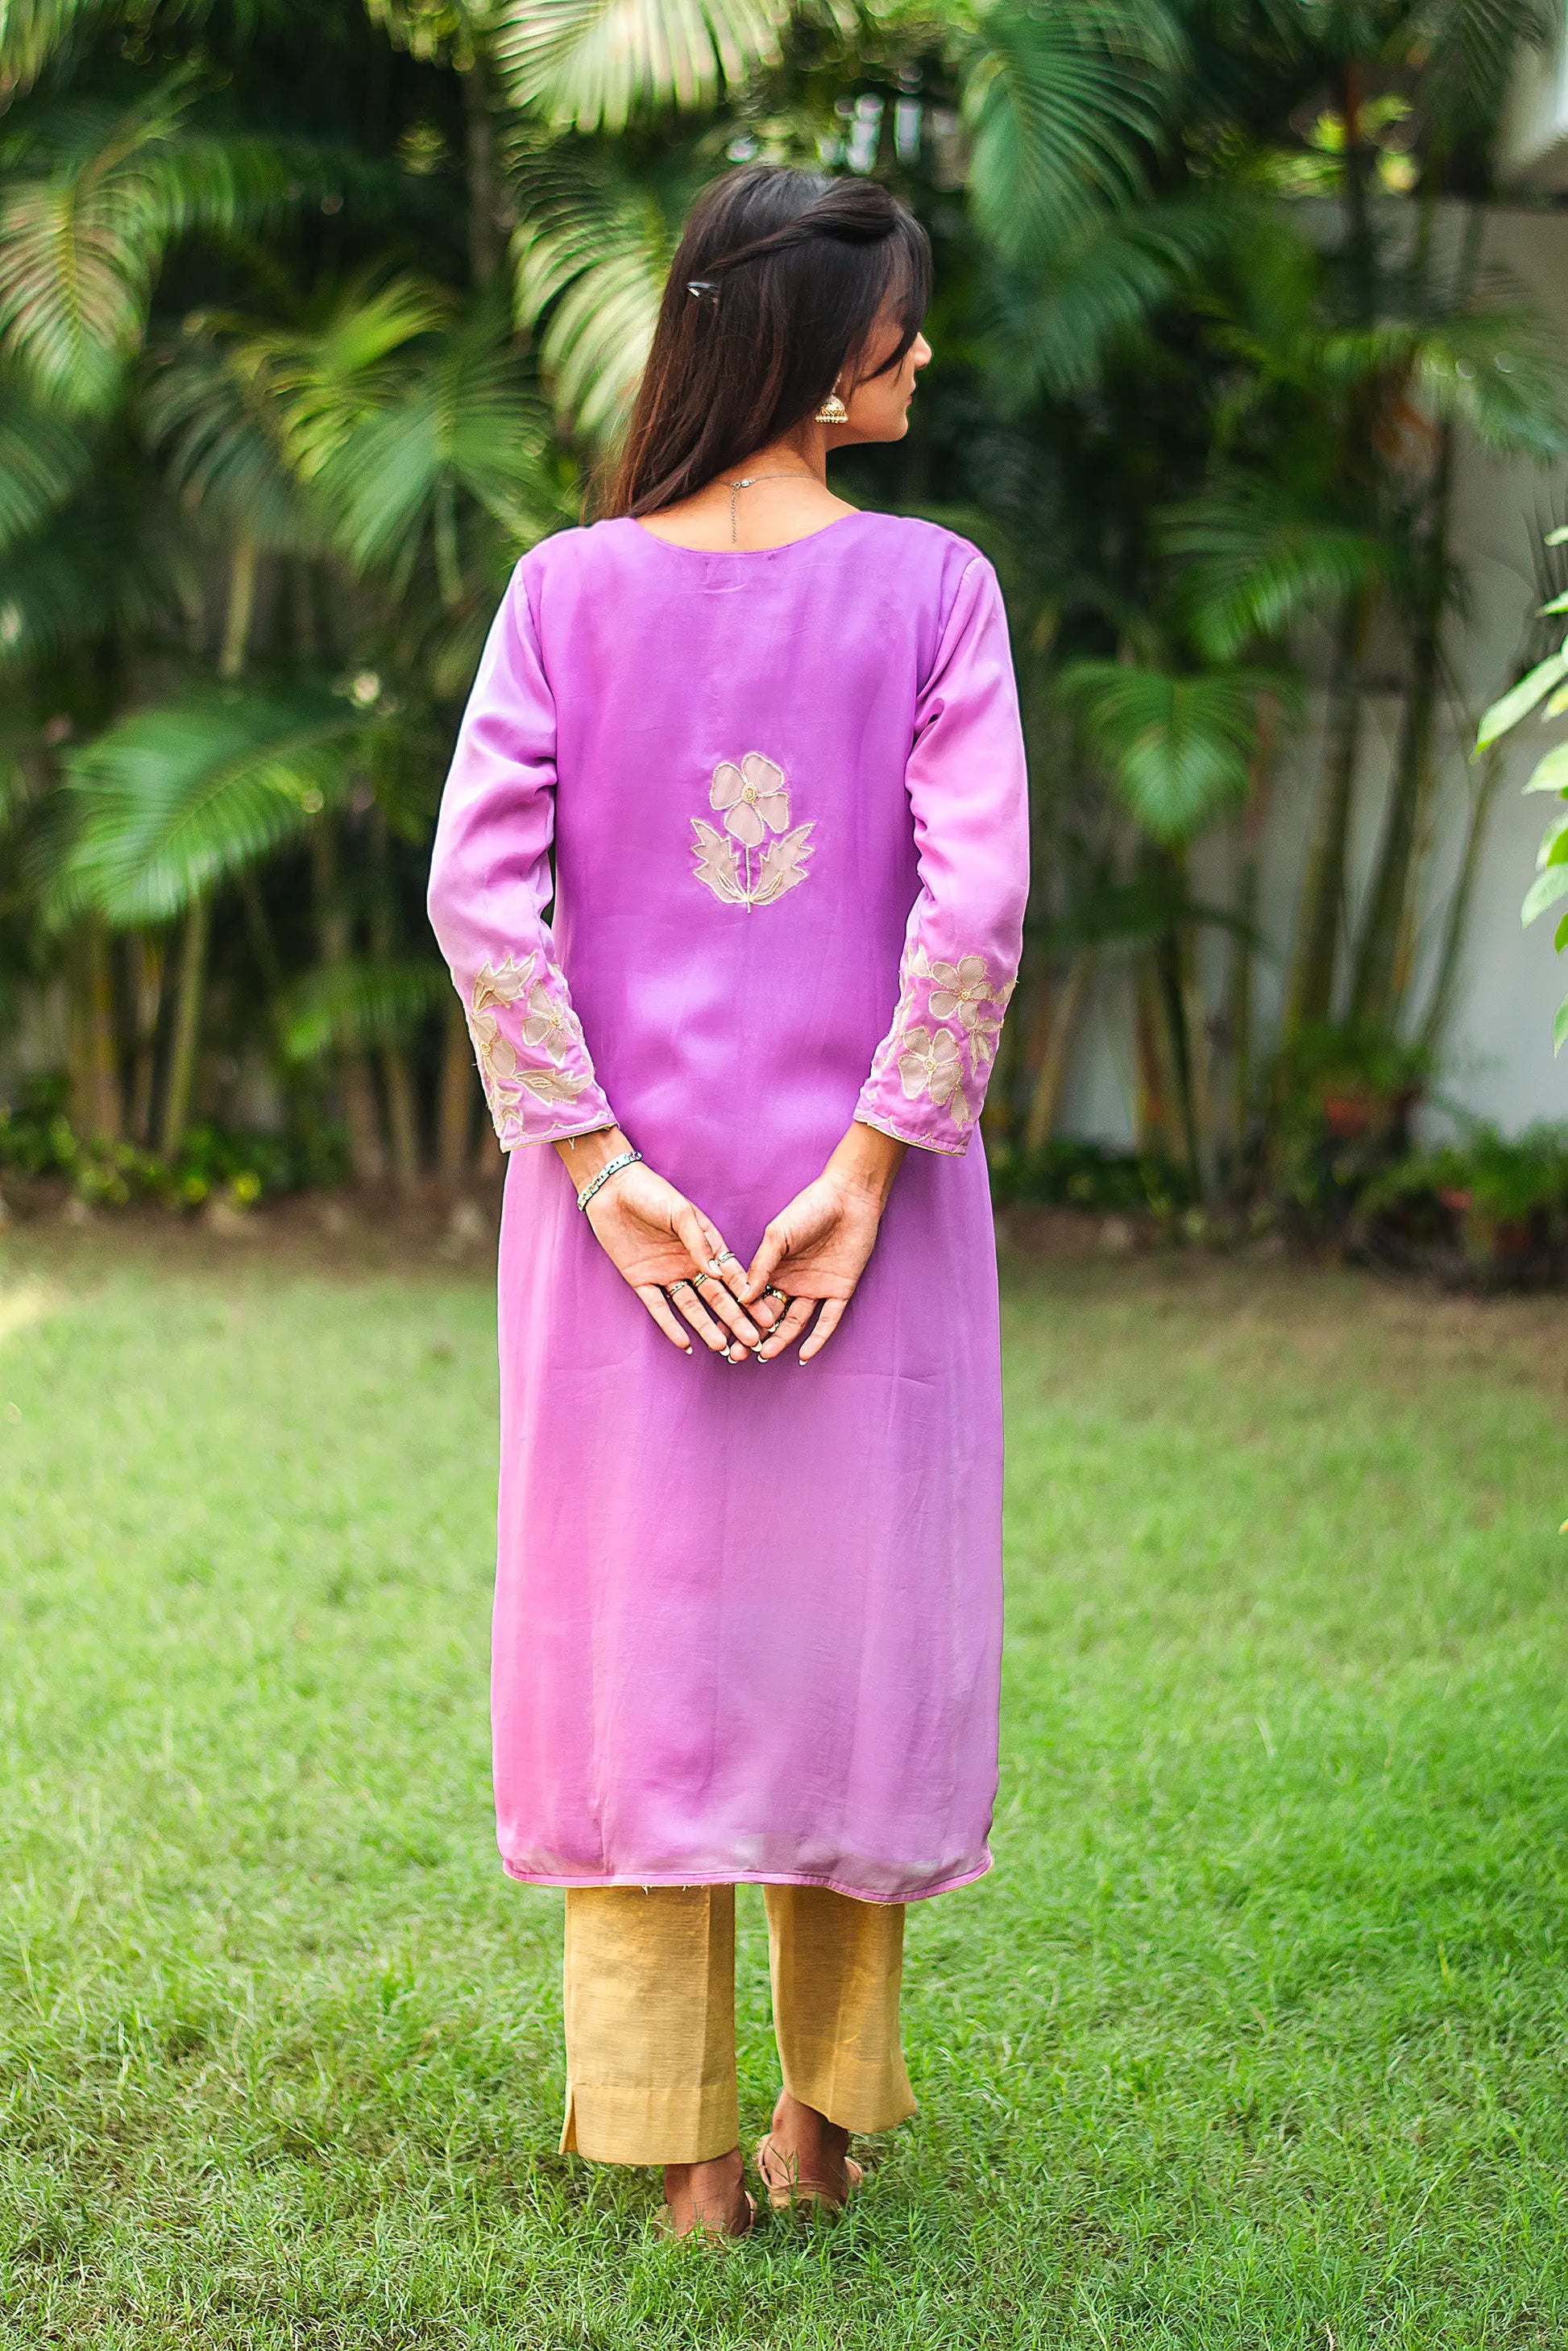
[{"x": 748, "y": 1618}]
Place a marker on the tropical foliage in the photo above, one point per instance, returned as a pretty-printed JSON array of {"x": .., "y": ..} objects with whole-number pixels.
[
  {"x": 1542, "y": 691},
  {"x": 311, "y": 321}
]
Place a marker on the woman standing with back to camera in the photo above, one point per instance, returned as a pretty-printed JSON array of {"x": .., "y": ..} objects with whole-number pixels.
[{"x": 749, "y": 1609}]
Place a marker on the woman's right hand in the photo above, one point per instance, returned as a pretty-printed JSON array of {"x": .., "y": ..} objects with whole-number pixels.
[
  {"x": 815, "y": 1251},
  {"x": 659, "y": 1241}
]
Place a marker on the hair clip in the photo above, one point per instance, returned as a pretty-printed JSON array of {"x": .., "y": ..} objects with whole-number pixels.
[{"x": 703, "y": 288}]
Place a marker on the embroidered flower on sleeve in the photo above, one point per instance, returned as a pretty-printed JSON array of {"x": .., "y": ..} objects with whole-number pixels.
[
  {"x": 550, "y": 1026},
  {"x": 933, "y": 1065},
  {"x": 962, "y": 989},
  {"x": 947, "y": 1066},
  {"x": 495, "y": 987}
]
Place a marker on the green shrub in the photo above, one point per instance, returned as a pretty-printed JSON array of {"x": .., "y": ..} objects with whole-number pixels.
[
  {"x": 1072, "y": 1173},
  {"x": 39, "y": 1140},
  {"x": 1503, "y": 1196}
]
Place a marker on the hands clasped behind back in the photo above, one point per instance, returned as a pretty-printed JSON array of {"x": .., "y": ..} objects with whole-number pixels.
[
  {"x": 676, "y": 1260},
  {"x": 807, "y": 1264}
]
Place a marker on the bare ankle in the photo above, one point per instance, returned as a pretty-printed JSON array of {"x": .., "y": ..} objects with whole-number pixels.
[
  {"x": 710, "y": 2196},
  {"x": 802, "y": 2133}
]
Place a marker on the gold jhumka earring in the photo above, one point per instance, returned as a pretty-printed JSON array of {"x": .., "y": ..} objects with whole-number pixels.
[{"x": 832, "y": 410}]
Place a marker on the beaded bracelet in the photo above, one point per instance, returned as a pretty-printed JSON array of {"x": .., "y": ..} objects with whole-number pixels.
[{"x": 611, "y": 1167}]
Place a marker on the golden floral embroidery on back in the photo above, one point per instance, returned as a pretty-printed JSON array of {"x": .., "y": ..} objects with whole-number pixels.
[
  {"x": 756, "y": 858},
  {"x": 550, "y": 1029}
]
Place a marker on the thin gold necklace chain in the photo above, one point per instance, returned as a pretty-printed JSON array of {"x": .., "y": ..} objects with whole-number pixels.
[{"x": 749, "y": 482}]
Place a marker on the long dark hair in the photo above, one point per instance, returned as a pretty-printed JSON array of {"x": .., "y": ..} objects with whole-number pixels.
[{"x": 779, "y": 279}]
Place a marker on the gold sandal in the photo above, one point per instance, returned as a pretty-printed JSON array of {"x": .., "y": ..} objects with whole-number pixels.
[{"x": 786, "y": 2189}]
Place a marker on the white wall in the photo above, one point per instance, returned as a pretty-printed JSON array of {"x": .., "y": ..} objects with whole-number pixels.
[{"x": 1497, "y": 1058}]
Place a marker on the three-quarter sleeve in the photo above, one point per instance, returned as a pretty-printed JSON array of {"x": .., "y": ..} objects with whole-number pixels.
[
  {"x": 489, "y": 884},
  {"x": 969, "y": 793}
]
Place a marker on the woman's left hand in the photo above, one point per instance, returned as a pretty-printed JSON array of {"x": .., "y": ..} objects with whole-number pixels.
[{"x": 664, "y": 1247}]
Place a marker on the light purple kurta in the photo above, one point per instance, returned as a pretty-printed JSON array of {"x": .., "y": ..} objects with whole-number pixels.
[{"x": 747, "y": 1617}]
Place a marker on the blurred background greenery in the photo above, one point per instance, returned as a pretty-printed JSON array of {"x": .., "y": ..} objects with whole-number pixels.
[{"x": 312, "y": 318}]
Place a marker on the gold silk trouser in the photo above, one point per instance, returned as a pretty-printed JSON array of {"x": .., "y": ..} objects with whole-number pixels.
[{"x": 650, "y": 2016}]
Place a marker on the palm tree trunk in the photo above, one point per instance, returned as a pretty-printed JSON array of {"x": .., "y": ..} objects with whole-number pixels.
[
  {"x": 1049, "y": 1086},
  {"x": 95, "y": 1077},
  {"x": 1445, "y": 977},
  {"x": 1243, "y": 941},
  {"x": 486, "y": 248},
  {"x": 455, "y": 1109},
  {"x": 191, "y": 982},
  {"x": 403, "y": 1118},
  {"x": 490, "y": 1159},
  {"x": 147, "y": 992},
  {"x": 1377, "y": 985},
  {"x": 243, "y": 564},
  {"x": 1158, "y": 1119},
  {"x": 1358, "y": 162},
  {"x": 397, "y": 1077},
  {"x": 444, "y": 524},
  {"x": 367, "y": 1155},
  {"x": 187, "y": 1026},
  {"x": 1200, "y": 1060},
  {"x": 1311, "y": 993}
]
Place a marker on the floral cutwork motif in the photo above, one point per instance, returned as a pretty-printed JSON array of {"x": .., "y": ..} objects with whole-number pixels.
[
  {"x": 550, "y": 1026},
  {"x": 938, "y": 1062},
  {"x": 753, "y": 798},
  {"x": 934, "y": 1066}
]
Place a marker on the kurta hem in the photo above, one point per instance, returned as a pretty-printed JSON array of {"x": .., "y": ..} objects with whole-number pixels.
[{"x": 751, "y": 1877}]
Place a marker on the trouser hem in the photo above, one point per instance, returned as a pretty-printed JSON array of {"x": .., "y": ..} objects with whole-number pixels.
[{"x": 613, "y": 2123}]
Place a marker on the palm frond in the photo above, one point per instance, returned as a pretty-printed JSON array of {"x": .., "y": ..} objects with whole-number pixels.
[
  {"x": 361, "y": 1003},
  {"x": 174, "y": 797},
  {"x": 45, "y": 459},
  {"x": 31, "y": 31},
  {"x": 100, "y": 564},
  {"x": 335, "y": 373},
  {"x": 1054, "y": 327},
  {"x": 210, "y": 412},
  {"x": 1068, "y": 108},
  {"x": 457, "y": 417},
  {"x": 590, "y": 255},
  {"x": 94, "y": 197},
  {"x": 1254, "y": 563},
  {"x": 1495, "y": 373},
  {"x": 592, "y": 65},
  {"x": 1179, "y": 747},
  {"x": 1470, "y": 50}
]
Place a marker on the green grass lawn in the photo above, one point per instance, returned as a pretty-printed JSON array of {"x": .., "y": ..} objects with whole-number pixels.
[{"x": 1255, "y": 2036}]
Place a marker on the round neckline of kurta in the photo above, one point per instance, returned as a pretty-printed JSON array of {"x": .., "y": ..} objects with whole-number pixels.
[{"x": 745, "y": 554}]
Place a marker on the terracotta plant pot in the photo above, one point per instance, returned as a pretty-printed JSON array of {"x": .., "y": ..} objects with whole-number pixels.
[
  {"x": 1350, "y": 1112},
  {"x": 1349, "y": 1116}
]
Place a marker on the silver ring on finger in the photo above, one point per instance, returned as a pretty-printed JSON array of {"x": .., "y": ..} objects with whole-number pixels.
[
  {"x": 684, "y": 1283},
  {"x": 698, "y": 1280},
  {"x": 769, "y": 1292},
  {"x": 724, "y": 1257}
]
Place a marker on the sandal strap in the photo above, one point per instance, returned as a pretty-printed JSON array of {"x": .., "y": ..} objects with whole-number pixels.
[{"x": 802, "y": 2188}]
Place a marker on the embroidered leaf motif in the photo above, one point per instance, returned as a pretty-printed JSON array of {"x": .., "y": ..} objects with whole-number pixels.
[
  {"x": 553, "y": 1085},
  {"x": 716, "y": 864},
  {"x": 549, "y": 1025},
  {"x": 783, "y": 864}
]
